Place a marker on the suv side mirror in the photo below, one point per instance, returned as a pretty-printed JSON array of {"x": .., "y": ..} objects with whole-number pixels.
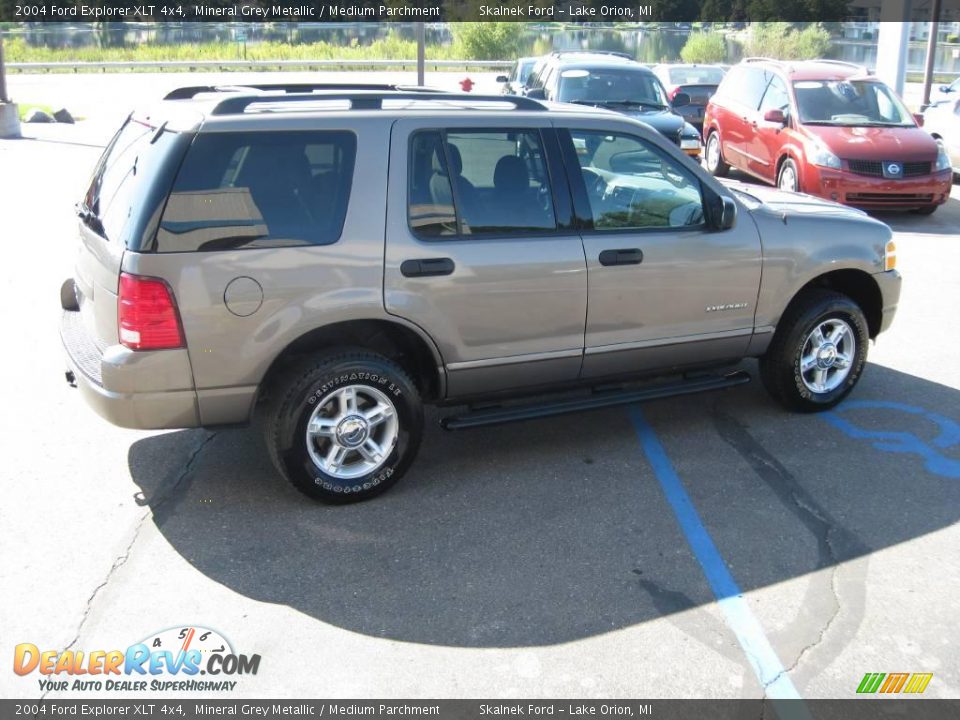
[
  {"x": 536, "y": 94},
  {"x": 946, "y": 89},
  {"x": 775, "y": 116},
  {"x": 728, "y": 214},
  {"x": 919, "y": 119},
  {"x": 680, "y": 99},
  {"x": 502, "y": 79}
]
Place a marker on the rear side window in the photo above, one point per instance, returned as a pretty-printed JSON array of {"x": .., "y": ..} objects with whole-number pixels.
[
  {"x": 120, "y": 198},
  {"x": 745, "y": 85},
  {"x": 256, "y": 190},
  {"x": 480, "y": 182}
]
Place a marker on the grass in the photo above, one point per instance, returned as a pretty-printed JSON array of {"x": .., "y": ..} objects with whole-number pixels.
[
  {"x": 24, "y": 109},
  {"x": 390, "y": 48}
]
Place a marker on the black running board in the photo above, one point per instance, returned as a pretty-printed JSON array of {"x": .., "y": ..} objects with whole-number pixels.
[{"x": 608, "y": 398}]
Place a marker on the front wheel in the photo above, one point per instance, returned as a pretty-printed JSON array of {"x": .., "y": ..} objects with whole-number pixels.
[
  {"x": 788, "y": 178},
  {"x": 925, "y": 210},
  {"x": 344, "y": 427},
  {"x": 714, "y": 156},
  {"x": 818, "y": 352}
]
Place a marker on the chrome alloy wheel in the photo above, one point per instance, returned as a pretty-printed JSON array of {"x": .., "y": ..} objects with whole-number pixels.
[
  {"x": 827, "y": 356},
  {"x": 352, "y": 431},
  {"x": 713, "y": 152},
  {"x": 788, "y": 178}
]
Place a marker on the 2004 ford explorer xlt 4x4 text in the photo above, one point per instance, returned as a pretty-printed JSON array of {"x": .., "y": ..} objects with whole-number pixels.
[{"x": 329, "y": 259}]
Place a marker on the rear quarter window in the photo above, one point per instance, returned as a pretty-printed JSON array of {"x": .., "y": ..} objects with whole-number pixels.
[
  {"x": 131, "y": 181},
  {"x": 256, "y": 190}
]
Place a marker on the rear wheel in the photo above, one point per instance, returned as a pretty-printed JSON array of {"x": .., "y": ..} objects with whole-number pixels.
[
  {"x": 818, "y": 352},
  {"x": 345, "y": 426},
  {"x": 788, "y": 178},
  {"x": 714, "y": 157}
]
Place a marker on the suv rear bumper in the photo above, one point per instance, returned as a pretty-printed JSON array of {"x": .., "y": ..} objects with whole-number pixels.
[{"x": 127, "y": 388}]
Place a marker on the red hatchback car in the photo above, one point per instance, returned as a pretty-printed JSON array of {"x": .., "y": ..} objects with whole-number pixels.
[{"x": 826, "y": 128}]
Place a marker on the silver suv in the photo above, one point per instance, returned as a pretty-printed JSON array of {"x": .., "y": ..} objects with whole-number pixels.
[{"x": 329, "y": 260}]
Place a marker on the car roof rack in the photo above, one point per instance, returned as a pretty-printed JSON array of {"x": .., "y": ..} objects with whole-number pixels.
[
  {"x": 844, "y": 63},
  {"x": 612, "y": 53},
  {"x": 761, "y": 59},
  {"x": 371, "y": 100},
  {"x": 189, "y": 92}
]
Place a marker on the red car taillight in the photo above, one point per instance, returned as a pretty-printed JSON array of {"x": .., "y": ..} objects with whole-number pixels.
[
  {"x": 147, "y": 314},
  {"x": 673, "y": 93}
]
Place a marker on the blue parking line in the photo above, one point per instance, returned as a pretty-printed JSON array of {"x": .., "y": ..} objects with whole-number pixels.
[{"x": 761, "y": 656}]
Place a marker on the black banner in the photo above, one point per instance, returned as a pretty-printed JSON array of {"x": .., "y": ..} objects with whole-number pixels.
[
  {"x": 871, "y": 708},
  {"x": 600, "y": 11}
]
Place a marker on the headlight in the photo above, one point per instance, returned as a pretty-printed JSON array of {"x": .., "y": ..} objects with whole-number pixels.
[
  {"x": 824, "y": 158},
  {"x": 943, "y": 160}
]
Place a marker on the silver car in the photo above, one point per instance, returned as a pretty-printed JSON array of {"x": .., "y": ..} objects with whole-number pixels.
[
  {"x": 943, "y": 122},
  {"x": 331, "y": 260}
]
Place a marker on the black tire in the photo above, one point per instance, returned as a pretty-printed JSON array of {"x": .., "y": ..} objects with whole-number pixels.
[
  {"x": 925, "y": 210},
  {"x": 721, "y": 168},
  {"x": 295, "y": 396},
  {"x": 790, "y": 166},
  {"x": 780, "y": 367}
]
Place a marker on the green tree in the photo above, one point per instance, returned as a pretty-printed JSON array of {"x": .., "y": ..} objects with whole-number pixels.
[
  {"x": 784, "y": 42},
  {"x": 487, "y": 40},
  {"x": 704, "y": 48}
]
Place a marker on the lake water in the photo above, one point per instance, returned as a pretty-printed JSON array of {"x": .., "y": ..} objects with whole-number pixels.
[{"x": 646, "y": 45}]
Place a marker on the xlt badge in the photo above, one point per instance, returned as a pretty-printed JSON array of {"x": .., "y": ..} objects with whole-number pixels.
[{"x": 726, "y": 306}]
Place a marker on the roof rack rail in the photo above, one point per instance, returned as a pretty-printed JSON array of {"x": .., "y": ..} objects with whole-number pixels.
[
  {"x": 371, "y": 100},
  {"x": 761, "y": 59},
  {"x": 189, "y": 92},
  {"x": 613, "y": 53},
  {"x": 844, "y": 63}
]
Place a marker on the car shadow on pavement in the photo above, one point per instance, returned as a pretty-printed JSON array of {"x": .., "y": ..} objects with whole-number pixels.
[{"x": 554, "y": 530}]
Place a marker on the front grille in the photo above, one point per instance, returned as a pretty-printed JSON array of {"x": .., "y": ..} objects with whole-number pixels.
[
  {"x": 866, "y": 167},
  {"x": 80, "y": 345},
  {"x": 874, "y": 168},
  {"x": 888, "y": 198}
]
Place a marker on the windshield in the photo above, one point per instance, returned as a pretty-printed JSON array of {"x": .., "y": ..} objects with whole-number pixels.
[
  {"x": 696, "y": 75},
  {"x": 853, "y": 103},
  {"x": 611, "y": 86}
]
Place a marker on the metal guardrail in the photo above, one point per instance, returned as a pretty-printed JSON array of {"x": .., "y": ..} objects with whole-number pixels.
[{"x": 254, "y": 64}]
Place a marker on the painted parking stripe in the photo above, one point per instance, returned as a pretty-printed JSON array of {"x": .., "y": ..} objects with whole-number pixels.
[{"x": 761, "y": 656}]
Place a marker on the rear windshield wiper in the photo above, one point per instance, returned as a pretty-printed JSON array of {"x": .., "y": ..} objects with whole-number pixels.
[{"x": 89, "y": 218}]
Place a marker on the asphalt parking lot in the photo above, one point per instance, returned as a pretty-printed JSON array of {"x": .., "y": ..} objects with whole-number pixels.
[{"x": 622, "y": 553}]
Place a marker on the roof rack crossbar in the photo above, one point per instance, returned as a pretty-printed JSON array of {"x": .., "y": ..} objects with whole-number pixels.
[
  {"x": 844, "y": 63},
  {"x": 187, "y": 93},
  {"x": 371, "y": 100}
]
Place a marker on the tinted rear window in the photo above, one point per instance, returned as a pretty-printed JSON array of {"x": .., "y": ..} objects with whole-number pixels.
[
  {"x": 255, "y": 190},
  {"x": 696, "y": 76},
  {"x": 130, "y": 179}
]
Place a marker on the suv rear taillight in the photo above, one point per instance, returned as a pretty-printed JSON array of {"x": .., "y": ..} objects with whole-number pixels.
[{"x": 147, "y": 314}]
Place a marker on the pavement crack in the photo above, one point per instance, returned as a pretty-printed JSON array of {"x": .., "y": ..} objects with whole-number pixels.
[
  {"x": 835, "y": 543},
  {"x": 122, "y": 558}
]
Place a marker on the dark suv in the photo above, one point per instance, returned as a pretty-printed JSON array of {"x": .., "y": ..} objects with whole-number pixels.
[
  {"x": 328, "y": 261},
  {"x": 615, "y": 82}
]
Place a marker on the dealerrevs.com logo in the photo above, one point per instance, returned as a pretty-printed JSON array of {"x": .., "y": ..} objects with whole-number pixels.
[{"x": 171, "y": 660}]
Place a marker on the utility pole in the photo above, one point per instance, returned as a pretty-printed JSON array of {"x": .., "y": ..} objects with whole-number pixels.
[
  {"x": 9, "y": 115},
  {"x": 4, "y": 98},
  {"x": 421, "y": 53},
  {"x": 931, "y": 52}
]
